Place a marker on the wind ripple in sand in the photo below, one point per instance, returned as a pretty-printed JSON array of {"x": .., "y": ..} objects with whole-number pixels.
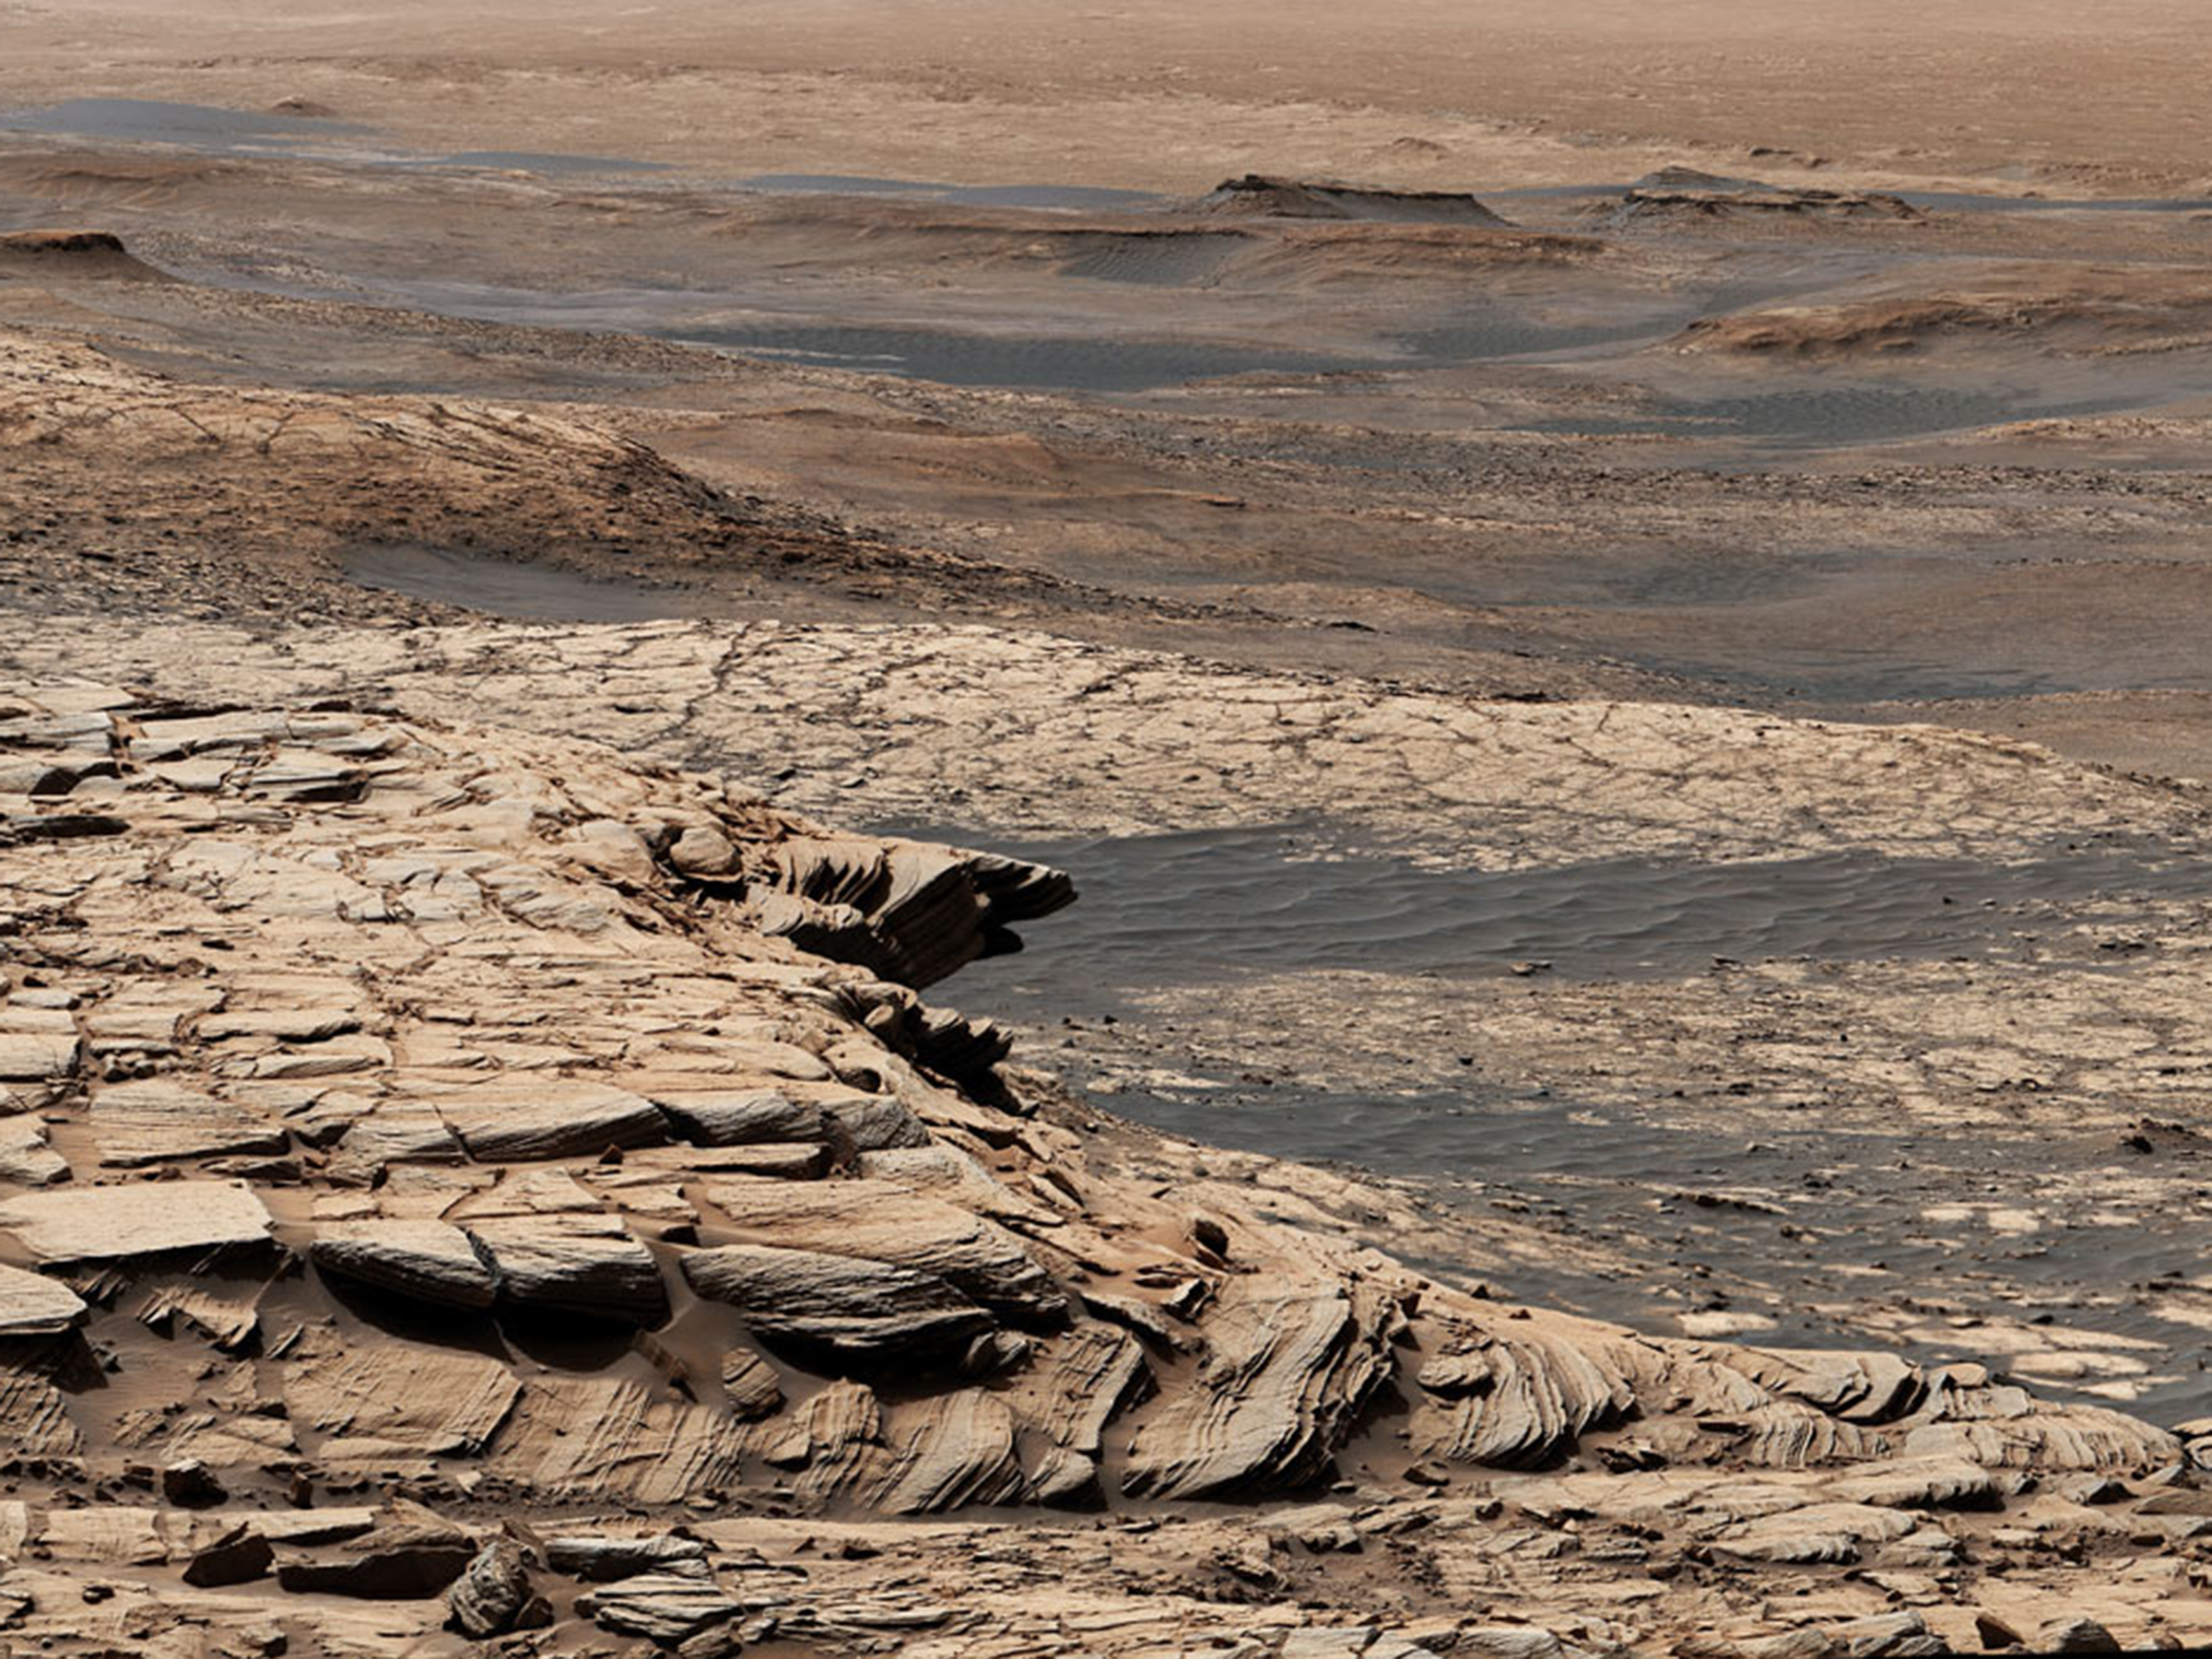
[{"x": 1187, "y": 907}]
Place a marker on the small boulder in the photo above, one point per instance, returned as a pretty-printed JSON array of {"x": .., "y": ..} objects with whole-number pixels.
[
  {"x": 492, "y": 1594},
  {"x": 238, "y": 1556},
  {"x": 190, "y": 1484},
  {"x": 2075, "y": 1635},
  {"x": 703, "y": 853}
]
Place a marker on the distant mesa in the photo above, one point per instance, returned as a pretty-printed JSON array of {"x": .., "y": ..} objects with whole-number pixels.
[
  {"x": 1258, "y": 196},
  {"x": 73, "y": 253},
  {"x": 1684, "y": 192}
]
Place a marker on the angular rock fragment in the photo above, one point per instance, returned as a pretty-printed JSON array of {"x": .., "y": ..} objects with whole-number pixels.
[
  {"x": 191, "y": 1484},
  {"x": 834, "y": 1442},
  {"x": 27, "y": 1153},
  {"x": 1995, "y": 1631},
  {"x": 2086, "y": 1437},
  {"x": 2077, "y": 1634},
  {"x": 849, "y": 1306},
  {"x": 1783, "y": 1434},
  {"x": 224, "y": 1312},
  {"x": 423, "y": 1260},
  {"x": 289, "y": 1008},
  {"x": 238, "y": 1556},
  {"x": 780, "y": 1160},
  {"x": 1857, "y": 1388},
  {"x": 910, "y": 912},
  {"x": 34, "y": 1417},
  {"x": 584, "y": 1264},
  {"x": 951, "y": 1043},
  {"x": 946, "y": 1173},
  {"x": 411, "y": 1554},
  {"x": 33, "y": 1305},
  {"x": 227, "y": 1317},
  {"x": 1148, "y": 1320},
  {"x": 751, "y": 1385},
  {"x": 18, "y": 828},
  {"x": 49, "y": 778},
  {"x": 373, "y": 1137}
]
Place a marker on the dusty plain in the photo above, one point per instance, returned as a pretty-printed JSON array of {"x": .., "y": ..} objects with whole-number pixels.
[{"x": 1601, "y": 611}]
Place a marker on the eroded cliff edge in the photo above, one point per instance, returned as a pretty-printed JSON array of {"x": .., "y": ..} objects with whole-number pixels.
[{"x": 438, "y": 1153}]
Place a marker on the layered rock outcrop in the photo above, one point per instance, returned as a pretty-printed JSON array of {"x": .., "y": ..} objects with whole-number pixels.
[
  {"x": 455, "y": 1125},
  {"x": 1675, "y": 193},
  {"x": 1261, "y": 195}
]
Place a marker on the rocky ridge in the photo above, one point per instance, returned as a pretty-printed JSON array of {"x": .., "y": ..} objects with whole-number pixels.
[
  {"x": 448, "y": 1158},
  {"x": 288, "y": 483},
  {"x": 1259, "y": 196}
]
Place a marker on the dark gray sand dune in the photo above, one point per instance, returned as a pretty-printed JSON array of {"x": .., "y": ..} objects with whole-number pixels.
[
  {"x": 1174, "y": 259},
  {"x": 194, "y": 126},
  {"x": 1187, "y": 907},
  {"x": 499, "y": 588},
  {"x": 1817, "y": 415},
  {"x": 211, "y": 129},
  {"x": 1074, "y": 363},
  {"x": 1797, "y": 1219}
]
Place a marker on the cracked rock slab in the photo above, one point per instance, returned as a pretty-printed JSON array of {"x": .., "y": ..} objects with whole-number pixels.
[
  {"x": 116, "y": 1223},
  {"x": 423, "y": 1260}
]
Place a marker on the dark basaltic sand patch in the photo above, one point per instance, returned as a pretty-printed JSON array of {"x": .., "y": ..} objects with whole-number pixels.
[
  {"x": 1074, "y": 363},
  {"x": 194, "y": 126},
  {"x": 212, "y": 130},
  {"x": 1186, "y": 907},
  {"x": 501, "y": 588},
  {"x": 1060, "y": 196}
]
